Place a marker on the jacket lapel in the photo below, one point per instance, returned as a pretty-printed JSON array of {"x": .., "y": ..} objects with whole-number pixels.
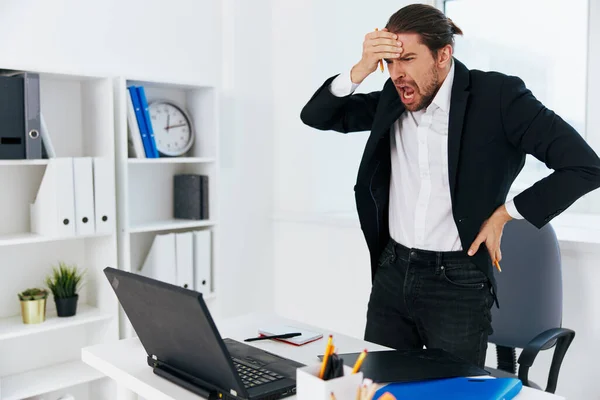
[
  {"x": 458, "y": 106},
  {"x": 389, "y": 110}
]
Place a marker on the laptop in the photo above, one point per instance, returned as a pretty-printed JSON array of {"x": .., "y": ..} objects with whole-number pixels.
[{"x": 184, "y": 346}]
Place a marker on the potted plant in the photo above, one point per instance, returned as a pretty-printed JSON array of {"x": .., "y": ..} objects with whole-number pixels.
[
  {"x": 33, "y": 305},
  {"x": 64, "y": 282}
]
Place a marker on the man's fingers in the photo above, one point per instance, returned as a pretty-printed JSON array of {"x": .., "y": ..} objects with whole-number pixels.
[
  {"x": 476, "y": 243},
  {"x": 385, "y": 49},
  {"x": 383, "y": 42},
  {"x": 381, "y": 34}
]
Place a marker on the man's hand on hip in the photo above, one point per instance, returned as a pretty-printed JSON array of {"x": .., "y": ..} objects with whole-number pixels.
[{"x": 491, "y": 233}]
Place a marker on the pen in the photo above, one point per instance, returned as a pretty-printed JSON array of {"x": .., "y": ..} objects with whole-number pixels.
[
  {"x": 332, "y": 396},
  {"x": 326, "y": 355},
  {"x": 380, "y": 61},
  {"x": 359, "y": 362},
  {"x": 282, "y": 336},
  {"x": 497, "y": 264}
]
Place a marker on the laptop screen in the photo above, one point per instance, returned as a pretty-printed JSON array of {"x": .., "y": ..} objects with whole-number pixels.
[{"x": 175, "y": 325}]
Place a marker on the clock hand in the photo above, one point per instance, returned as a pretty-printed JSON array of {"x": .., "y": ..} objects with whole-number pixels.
[
  {"x": 176, "y": 126},
  {"x": 168, "y": 119}
]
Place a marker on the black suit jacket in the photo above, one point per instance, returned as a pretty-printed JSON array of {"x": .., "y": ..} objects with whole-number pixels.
[{"x": 494, "y": 121}]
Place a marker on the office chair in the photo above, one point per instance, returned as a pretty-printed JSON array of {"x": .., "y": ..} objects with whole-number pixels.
[{"x": 530, "y": 300}]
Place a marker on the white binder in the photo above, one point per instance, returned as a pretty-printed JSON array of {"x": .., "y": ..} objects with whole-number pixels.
[
  {"x": 53, "y": 211},
  {"x": 184, "y": 245},
  {"x": 160, "y": 263},
  {"x": 134, "y": 137},
  {"x": 104, "y": 195},
  {"x": 83, "y": 181},
  {"x": 202, "y": 261}
]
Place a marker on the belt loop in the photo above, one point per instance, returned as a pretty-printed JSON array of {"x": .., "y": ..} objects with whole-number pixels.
[{"x": 438, "y": 260}]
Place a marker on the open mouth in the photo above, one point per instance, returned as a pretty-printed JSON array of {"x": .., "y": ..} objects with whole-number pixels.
[{"x": 407, "y": 93}]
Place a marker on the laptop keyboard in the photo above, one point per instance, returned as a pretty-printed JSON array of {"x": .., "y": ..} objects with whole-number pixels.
[{"x": 255, "y": 376}]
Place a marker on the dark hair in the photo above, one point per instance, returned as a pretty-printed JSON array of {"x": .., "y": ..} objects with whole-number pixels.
[{"x": 436, "y": 30}]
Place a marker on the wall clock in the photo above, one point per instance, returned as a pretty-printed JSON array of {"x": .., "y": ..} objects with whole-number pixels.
[{"x": 172, "y": 126}]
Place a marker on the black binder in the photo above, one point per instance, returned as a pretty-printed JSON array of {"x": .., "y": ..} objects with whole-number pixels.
[
  {"x": 412, "y": 365},
  {"x": 12, "y": 118},
  {"x": 20, "y": 120},
  {"x": 33, "y": 138}
]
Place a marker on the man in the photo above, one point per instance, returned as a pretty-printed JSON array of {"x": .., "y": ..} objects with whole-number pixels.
[{"x": 446, "y": 144}]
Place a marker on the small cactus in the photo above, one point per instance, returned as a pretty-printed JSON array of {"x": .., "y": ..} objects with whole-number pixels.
[{"x": 33, "y": 294}]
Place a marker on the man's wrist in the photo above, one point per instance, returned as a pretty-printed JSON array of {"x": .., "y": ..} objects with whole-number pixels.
[
  {"x": 502, "y": 212},
  {"x": 357, "y": 74}
]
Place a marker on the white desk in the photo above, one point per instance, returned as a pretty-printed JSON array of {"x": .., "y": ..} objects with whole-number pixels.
[{"x": 125, "y": 361}]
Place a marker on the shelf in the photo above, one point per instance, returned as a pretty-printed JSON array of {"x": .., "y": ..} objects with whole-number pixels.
[
  {"x": 170, "y": 225},
  {"x": 13, "y": 327},
  {"x": 48, "y": 379},
  {"x": 12, "y": 163},
  {"x": 171, "y": 160},
  {"x": 28, "y": 238}
]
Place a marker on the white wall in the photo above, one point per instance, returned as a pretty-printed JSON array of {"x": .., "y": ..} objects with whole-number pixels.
[{"x": 246, "y": 157}]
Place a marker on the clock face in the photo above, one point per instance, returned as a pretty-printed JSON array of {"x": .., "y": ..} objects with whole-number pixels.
[{"x": 173, "y": 131}]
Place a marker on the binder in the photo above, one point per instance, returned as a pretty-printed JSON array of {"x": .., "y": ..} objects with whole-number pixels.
[
  {"x": 184, "y": 246},
  {"x": 53, "y": 211},
  {"x": 205, "y": 196},
  {"x": 139, "y": 116},
  {"x": 455, "y": 388},
  {"x": 202, "y": 261},
  {"x": 135, "y": 136},
  {"x": 160, "y": 262},
  {"x": 33, "y": 138},
  {"x": 104, "y": 196},
  {"x": 46, "y": 141},
  {"x": 147, "y": 121},
  {"x": 83, "y": 187},
  {"x": 12, "y": 118}
]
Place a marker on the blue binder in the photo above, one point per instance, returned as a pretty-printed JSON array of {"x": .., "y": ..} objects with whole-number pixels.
[
  {"x": 454, "y": 388},
  {"x": 148, "y": 121},
  {"x": 139, "y": 116}
]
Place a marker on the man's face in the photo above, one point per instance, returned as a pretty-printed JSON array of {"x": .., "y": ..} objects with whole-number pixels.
[{"x": 416, "y": 73}]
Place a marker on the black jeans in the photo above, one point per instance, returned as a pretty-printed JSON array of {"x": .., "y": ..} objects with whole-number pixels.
[{"x": 432, "y": 299}]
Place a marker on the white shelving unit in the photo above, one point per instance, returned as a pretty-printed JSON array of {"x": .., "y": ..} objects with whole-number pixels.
[
  {"x": 46, "y": 357},
  {"x": 145, "y": 186},
  {"x": 45, "y": 380}
]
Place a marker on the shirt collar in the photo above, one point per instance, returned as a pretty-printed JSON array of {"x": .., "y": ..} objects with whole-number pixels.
[{"x": 442, "y": 97}]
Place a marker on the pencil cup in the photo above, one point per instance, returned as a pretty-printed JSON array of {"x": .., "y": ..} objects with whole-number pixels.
[{"x": 310, "y": 387}]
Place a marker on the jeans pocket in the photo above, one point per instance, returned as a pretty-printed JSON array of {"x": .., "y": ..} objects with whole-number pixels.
[
  {"x": 466, "y": 276},
  {"x": 387, "y": 256}
]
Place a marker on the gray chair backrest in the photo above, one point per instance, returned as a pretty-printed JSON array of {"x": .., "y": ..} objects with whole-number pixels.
[{"x": 529, "y": 286}]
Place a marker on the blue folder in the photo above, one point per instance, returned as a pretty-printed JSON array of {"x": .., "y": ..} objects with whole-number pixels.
[{"x": 454, "y": 388}]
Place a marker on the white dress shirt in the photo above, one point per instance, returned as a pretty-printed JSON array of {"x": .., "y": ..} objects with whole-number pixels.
[{"x": 420, "y": 207}]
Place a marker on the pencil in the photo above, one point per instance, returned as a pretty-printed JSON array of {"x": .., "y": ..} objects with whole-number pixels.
[
  {"x": 359, "y": 361},
  {"x": 332, "y": 396},
  {"x": 380, "y": 61},
  {"x": 497, "y": 264},
  {"x": 326, "y": 355}
]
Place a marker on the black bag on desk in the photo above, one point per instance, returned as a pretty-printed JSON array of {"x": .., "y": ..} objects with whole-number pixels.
[{"x": 412, "y": 365}]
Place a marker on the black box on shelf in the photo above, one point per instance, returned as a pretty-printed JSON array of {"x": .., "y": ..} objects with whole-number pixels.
[{"x": 190, "y": 196}]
